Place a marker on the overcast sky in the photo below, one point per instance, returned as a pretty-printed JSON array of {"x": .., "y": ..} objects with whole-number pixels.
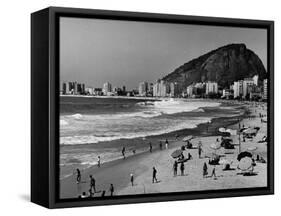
[{"x": 94, "y": 51}]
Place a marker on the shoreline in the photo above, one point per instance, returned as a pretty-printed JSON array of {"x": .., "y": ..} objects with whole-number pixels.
[
  {"x": 141, "y": 143},
  {"x": 121, "y": 165}
]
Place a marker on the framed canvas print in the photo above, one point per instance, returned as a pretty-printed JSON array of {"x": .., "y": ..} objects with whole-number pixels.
[{"x": 139, "y": 107}]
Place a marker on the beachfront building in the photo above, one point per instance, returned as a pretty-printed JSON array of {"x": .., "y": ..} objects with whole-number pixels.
[
  {"x": 97, "y": 91},
  {"x": 248, "y": 83},
  {"x": 107, "y": 88},
  {"x": 89, "y": 91},
  {"x": 143, "y": 89},
  {"x": 72, "y": 88},
  {"x": 238, "y": 88},
  {"x": 63, "y": 88},
  {"x": 265, "y": 89},
  {"x": 190, "y": 90},
  {"x": 174, "y": 89},
  {"x": 256, "y": 80},
  {"x": 161, "y": 89},
  {"x": 211, "y": 88}
]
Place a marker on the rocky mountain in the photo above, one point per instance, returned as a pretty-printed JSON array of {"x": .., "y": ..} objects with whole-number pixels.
[{"x": 223, "y": 65}]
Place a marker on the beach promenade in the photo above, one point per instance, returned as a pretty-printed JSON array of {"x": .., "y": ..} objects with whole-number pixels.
[{"x": 140, "y": 165}]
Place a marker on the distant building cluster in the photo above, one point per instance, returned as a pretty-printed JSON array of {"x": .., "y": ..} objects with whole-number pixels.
[
  {"x": 247, "y": 89},
  {"x": 72, "y": 88}
]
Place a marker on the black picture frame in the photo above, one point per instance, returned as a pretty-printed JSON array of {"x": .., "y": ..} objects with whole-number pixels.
[{"x": 45, "y": 103}]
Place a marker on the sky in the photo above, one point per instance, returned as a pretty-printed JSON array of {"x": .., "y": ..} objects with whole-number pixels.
[{"x": 95, "y": 51}]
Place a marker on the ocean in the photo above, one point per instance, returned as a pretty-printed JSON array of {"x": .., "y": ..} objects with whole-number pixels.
[{"x": 92, "y": 127}]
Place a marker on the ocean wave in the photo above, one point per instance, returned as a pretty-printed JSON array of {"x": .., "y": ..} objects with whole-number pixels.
[
  {"x": 77, "y": 116},
  {"x": 173, "y": 106},
  {"x": 151, "y": 109},
  {"x": 91, "y": 139},
  {"x": 63, "y": 122}
]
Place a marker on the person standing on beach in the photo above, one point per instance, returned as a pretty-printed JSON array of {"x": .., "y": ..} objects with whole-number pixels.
[
  {"x": 214, "y": 173},
  {"x": 175, "y": 168},
  {"x": 200, "y": 150},
  {"x": 166, "y": 144},
  {"x": 123, "y": 152},
  {"x": 98, "y": 161},
  {"x": 132, "y": 179},
  {"x": 92, "y": 183},
  {"x": 78, "y": 177},
  {"x": 111, "y": 189},
  {"x": 205, "y": 170},
  {"x": 154, "y": 172},
  {"x": 150, "y": 147},
  {"x": 182, "y": 169}
]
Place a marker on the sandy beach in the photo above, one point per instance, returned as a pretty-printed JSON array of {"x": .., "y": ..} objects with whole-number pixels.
[{"x": 140, "y": 165}]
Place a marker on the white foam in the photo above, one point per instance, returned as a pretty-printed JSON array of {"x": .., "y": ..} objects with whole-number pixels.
[
  {"x": 63, "y": 122},
  {"x": 77, "y": 116},
  {"x": 90, "y": 139}
]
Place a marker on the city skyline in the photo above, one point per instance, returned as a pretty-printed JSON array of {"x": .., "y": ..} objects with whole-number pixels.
[{"x": 140, "y": 51}]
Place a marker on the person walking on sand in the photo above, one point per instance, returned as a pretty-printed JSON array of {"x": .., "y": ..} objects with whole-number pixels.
[
  {"x": 214, "y": 173},
  {"x": 78, "y": 176},
  {"x": 182, "y": 169},
  {"x": 92, "y": 183},
  {"x": 175, "y": 168},
  {"x": 166, "y": 144},
  {"x": 111, "y": 189},
  {"x": 154, "y": 172},
  {"x": 205, "y": 170},
  {"x": 160, "y": 145},
  {"x": 132, "y": 179},
  {"x": 150, "y": 147},
  {"x": 200, "y": 150},
  {"x": 98, "y": 161},
  {"x": 123, "y": 152}
]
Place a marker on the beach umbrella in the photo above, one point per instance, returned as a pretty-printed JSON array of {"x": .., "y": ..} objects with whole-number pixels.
[
  {"x": 215, "y": 146},
  {"x": 187, "y": 138},
  {"x": 245, "y": 163},
  {"x": 252, "y": 148},
  {"x": 222, "y": 130},
  {"x": 232, "y": 132},
  {"x": 176, "y": 153},
  {"x": 244, "y": 154},
  {"x": 250, "y": 131}
]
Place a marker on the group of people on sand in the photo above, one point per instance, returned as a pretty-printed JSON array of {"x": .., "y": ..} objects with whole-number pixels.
[
  {"x": 92, "y": 190},
  {"x": 123, "y": 151}
]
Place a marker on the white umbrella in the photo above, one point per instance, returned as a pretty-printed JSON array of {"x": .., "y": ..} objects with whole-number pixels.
[
  {"x": 222, "y": 130},
  {"x": 254, "y": 148},
  {"x": 215, "y": 146},
  {"x": 245, "y": 163}
]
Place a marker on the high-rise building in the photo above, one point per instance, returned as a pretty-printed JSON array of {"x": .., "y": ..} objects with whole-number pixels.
[
  {"x": 107, "y": 88},
  {"x": 143, "y": 88},
  {"x": 265, "y": 89},
  {"x": 63, "y": 88},
  {"x": 156, "y": 89},
  {"x": 211, "y": 87},
  {"x": 247, "y": 86},
  {"x": 238, "y": 88}
]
